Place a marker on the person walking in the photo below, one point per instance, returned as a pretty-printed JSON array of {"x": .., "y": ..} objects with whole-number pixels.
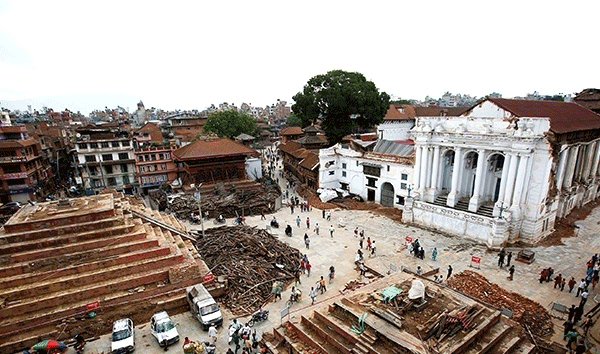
[
  {"x": 511, "y": 272},
  {"x": 562, "y": 284},
  {"x": 297, "y": 276},
  {"x": 362, "y": 268},
  {"x": 501, "y": 256},
  {"x": 323, "y": 213},
  {"x": 449, "y": 272},
  {"x": 262, "y": 215},
  {"x": 580, "y": 348},
  {"x": 580, "y": 287},
  {"x": 571, "y": 284},
  {"x": 212, "y": 333},
  {"x": 298, "y": 220},
  {"x": 434, "y": 254},
  {"x": 568, "y": 326},
  {"x": 308, "y": 266},
  {"x": 356, "y": 232},
  {"x": 571, "y": 337},
  {"x": 369, "y": 243},
  {"x": 331, "y": 229},
  {"x": 584, "y": 297},
  {"x": 306, "y": 241},
  {"x": 373, "y": 248},
  {"x": 360, "y": 241},
  {"x": 508, "y": 258},
  {"x": 313, "y": 294},
  {"x": 557, "y": 280},
  {"x": 571, "y": 313},
  {"x": 317, "y": 228},
  {"x": 308, "y": 222}
]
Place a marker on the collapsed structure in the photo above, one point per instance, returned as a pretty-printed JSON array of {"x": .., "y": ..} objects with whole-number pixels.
[
  {"x": 402, "y": 313},
  {"x": 60, "y": 260}
]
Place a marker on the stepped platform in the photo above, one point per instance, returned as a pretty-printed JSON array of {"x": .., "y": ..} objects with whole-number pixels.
[
  {"x": 399, "y": 326},
  {"x": 60, "y": 260}
]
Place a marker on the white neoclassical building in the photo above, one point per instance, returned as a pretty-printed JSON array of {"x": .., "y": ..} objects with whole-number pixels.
[{"x": 504, "y": 170}]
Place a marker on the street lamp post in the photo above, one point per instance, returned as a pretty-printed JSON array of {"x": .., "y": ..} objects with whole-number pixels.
[{"x": 199, "y": 206}]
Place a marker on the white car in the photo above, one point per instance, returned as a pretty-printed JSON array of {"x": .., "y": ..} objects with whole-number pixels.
[
  {"x": 123, "y": 339},
  {"x": 163, "y": 329}
]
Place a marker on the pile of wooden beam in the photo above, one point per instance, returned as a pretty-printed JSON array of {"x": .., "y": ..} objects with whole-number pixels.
[
  {"x": 252, "y": 259},
  {"x": 450, "y": 323},
  {"x": 237, "y": 203},
  {"x": 525, "y": 311}
]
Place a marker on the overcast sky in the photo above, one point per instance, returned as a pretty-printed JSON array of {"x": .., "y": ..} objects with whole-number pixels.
[{"x": 86, "y": 55}]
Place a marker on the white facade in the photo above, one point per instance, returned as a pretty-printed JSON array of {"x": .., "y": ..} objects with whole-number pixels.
[
  {"x": 254, "y": 168},
  {"x": 375, "y": 177},
  {"x": 395, "y": 129},
  {"x": 492, "y": 177},
  {"x": 107, "y": 163}
]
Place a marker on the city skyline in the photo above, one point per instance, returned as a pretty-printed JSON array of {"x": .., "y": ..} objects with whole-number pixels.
[{"x": 187, "y": 56}]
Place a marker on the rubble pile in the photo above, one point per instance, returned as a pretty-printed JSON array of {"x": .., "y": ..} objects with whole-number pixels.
[
  {"x": 525, "y": 311},
  {"x": 252, "y": 259},
  {"x": 229, "y": 204}
]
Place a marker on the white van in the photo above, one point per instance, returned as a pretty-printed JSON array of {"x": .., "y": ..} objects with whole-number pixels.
[
  {"x": 162, "y": 328},
  {"x": 203, "y": 306}
]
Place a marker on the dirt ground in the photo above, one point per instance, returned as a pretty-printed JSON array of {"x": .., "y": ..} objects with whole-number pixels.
[
  {"x": 565, "y": 227},
  {"x": 349, "y": 204}
]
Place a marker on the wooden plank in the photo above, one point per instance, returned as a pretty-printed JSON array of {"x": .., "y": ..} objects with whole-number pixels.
[{"x": 386, "y": 316}]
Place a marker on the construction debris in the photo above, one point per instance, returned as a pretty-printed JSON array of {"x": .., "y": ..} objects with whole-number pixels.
[
  {"x": 525, "y": 311},
  {"x": 251, "y": 259},
  {"x": 451, "y": 323},
  {"x": 229, "y": 204}
]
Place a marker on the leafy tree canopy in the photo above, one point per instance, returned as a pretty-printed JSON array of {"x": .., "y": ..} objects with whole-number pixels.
[
  {"x": 341, "y": 100},
  {"x": 294, "y": 121},
  {"x": 230, "y": 124}
]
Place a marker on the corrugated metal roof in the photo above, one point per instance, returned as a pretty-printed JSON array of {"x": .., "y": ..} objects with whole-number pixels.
[{"x": 390, "y": 147}]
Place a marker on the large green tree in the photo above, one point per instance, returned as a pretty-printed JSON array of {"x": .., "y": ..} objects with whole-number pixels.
[
  {"x": 294, "y": 121},
  {"x": 230, "y": 124},
  {"x": 342, "y": 100}
]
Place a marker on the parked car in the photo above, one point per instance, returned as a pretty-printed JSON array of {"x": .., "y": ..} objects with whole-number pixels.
[
  {"x": 163, "y": 328},
  {"x": 10, "y": 207},
  {"x": 123, "y": 339},
  {"x": 203, "y": 306}
]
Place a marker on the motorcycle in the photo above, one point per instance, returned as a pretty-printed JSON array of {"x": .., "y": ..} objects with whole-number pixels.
[
  {"x": 239, "y": 221},
  {"x": 260, "y": 315},
  {"x": 220, "y": 221},
  {"x": 288, "y": 231},
  {"x": 294, "y": 297},
  {"x": 274, "y": 224},
  {"x": 79, "y": 344}
]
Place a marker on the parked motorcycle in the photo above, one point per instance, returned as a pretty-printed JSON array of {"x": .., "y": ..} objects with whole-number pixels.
[
  {"x": 288, "y": 231},
  {"x": 260, "y": 315},
  {"x": 79, "y": 344},
  {"x": 274, "y": 223},
  {"x": 220, "y": 220}
]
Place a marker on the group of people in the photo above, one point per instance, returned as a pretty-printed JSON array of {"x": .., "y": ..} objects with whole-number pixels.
[
  {"x": 241, "y": 335},
  {"x": 416, "y": 249},
  {"x": 502, "y": 256}
]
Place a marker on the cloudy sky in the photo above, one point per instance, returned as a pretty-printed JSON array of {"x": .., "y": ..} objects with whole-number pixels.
[{"x": 86, "y": 55}]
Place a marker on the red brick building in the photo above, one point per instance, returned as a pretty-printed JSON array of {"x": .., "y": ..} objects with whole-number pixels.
[
  {"x": 21, "y": 165},
  {"x": 154, "y": 166}
]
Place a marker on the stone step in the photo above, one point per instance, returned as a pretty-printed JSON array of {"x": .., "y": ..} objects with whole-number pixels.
[
  {"x": 57, "y": 241},
  {"x": 83, "y": 293},
  {"x": 331, "y": 340},
  {"x": 488, "y": 340},
  {"x": 37, "y": 255},
  {"x": 52, "y": 262},
  {"x": 88, "y": 277},
  {"x": 60, "y": 230},
  {"x": 21, "y": 341},
  {"x": 510, "y": 346},
  {"x": 29, "y": 278},
  {"x": 167, "y": 298}
]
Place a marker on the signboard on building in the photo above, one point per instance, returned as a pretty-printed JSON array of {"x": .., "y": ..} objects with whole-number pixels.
[
  {"x": 13, "y": 159},
  {"x": 20, "y": 191},
  {"x": 13, "y": 175}
]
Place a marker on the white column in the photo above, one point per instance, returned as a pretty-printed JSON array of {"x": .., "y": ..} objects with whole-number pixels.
[
  {"x": 474, "y": 201},
  {"x": 436, "y": 168},
  {"x": 560, "y": 170},
  {"x": 510, "y": 181},
  {"x": 429, "y": 168},
  {"x": 521, "y": 174},
  {"x": 417, "y": 169},
  {"x": 595, "y": 160},
  {"x": 587, "y": 168},
  {"x": 505, "y": 165},
  {"x": 423, "y": 174},
  {"x": 568, "y": 181},
  {"x": 455, "y": 172}
]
